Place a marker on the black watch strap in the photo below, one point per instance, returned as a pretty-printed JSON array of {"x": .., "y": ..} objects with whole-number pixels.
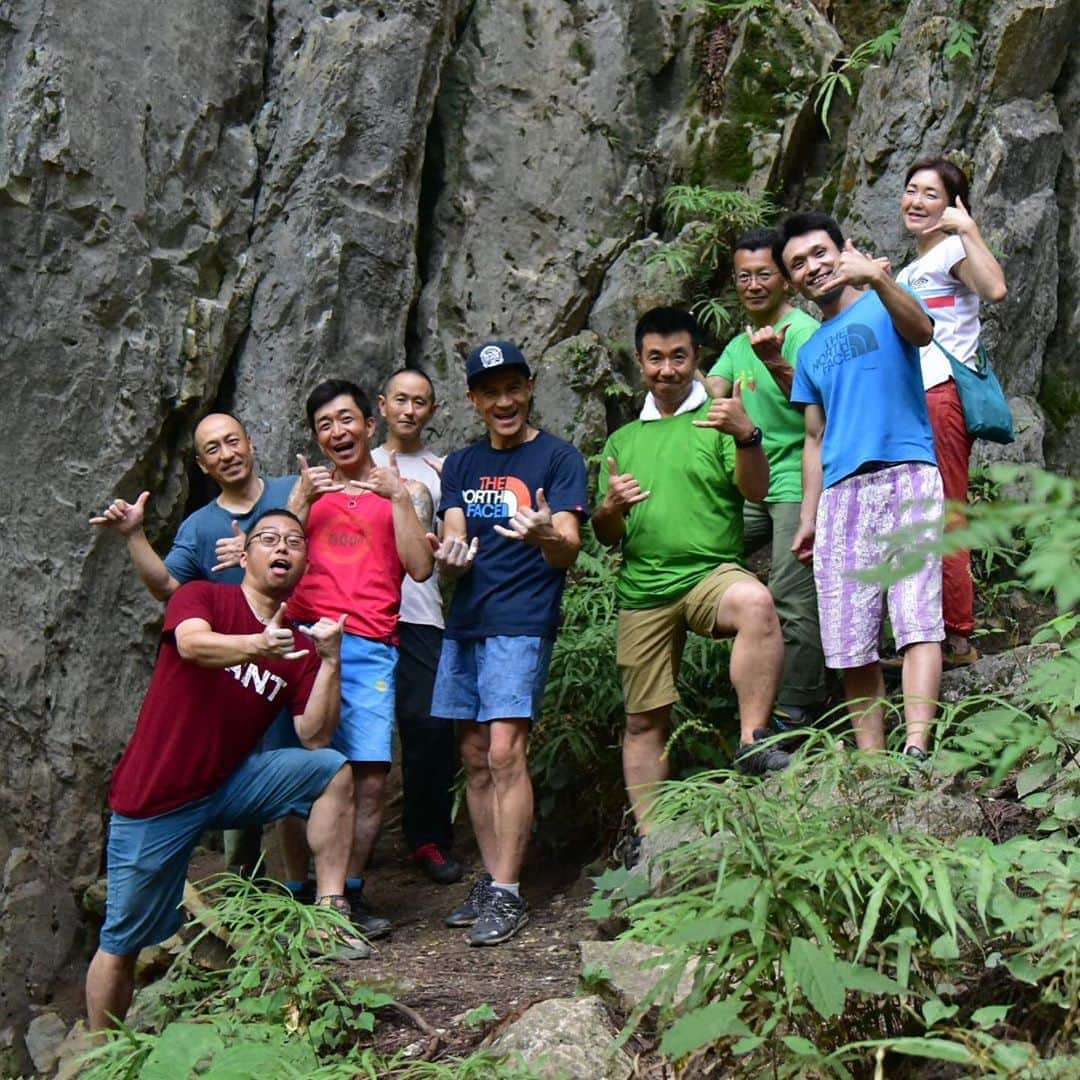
[{"x": 754, "y": 439}]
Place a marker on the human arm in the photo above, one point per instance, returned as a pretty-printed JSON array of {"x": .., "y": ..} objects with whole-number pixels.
[
  {"x": 908, "y": 316},
  {"x": 751, "y": 464},
  {"x": 557, "y": 535},
  {"x": 620, "y": 492},
  {"x": 978, "y": 269},
  {"x": 410, "y": 536},
  {"x": 198, "y": 643},
  {"x": 453, "y": 552},
  {"x": 812, "y": 481},
  {"x": 316, "y": 725},
  {"x": 127, "y": 519},
  {"x": 313, "y": 482}
]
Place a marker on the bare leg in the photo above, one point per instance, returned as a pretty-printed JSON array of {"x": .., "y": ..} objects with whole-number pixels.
[
  {"x": 643, "y": 760},
  {"x": 513, "y": 801},
  {"x": 292, "y": 835},
  {"x": 110, "y": 982},
  {"x": 864, "y": 689},
  {"x": 369, "y": 780},
  {"x": 757, "y": 655},
  {"x": 921, "y": 680},
  {"x": 480, "y": 789},
  {"x": 330, "y": 831}
]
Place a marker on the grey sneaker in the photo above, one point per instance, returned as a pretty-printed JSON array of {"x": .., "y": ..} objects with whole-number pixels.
[
  {"x": 363, "y": 918},
  {"x": 755, "y": 760},
  {"x": 502, "y": 915},
  {"x": 467, "y": 913}
]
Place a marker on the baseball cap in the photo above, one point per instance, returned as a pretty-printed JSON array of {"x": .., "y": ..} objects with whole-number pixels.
[{"x": 492, "y": 356}]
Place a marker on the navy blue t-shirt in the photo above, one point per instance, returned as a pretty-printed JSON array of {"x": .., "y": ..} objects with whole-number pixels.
[
  {"x": 511, "y": 590},
  {"x": 194, "y": 552}
]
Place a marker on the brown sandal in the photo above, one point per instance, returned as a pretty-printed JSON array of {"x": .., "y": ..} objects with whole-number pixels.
[{"x": 342, "y": 945}]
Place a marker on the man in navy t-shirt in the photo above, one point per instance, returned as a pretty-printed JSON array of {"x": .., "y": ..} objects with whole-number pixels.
[{"x": 512, "y": 506}]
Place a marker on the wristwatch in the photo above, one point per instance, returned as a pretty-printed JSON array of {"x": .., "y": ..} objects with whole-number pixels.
[{"x": 753, "y": 439}]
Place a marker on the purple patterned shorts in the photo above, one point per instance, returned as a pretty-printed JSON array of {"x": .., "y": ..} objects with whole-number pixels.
[{"x": 854, "y": 521}]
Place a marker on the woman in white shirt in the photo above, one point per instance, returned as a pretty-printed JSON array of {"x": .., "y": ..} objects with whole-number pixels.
[{"x": 953, "y": 271}]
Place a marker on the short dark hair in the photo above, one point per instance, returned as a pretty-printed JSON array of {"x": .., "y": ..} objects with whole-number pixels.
[
  {"x": 280, "y": 511},
  {"x": 326, "y": 391},
  {"x": 806, "y": 221},
  {"x": 755, "y": 240},
  {"x": 409, "y": 369},
  {"x": 666, "y": 321},
  {"x": 952, "y": 178}
]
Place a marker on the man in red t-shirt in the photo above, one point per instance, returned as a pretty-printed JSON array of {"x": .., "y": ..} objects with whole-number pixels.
[{"x": 228, "y": 664}]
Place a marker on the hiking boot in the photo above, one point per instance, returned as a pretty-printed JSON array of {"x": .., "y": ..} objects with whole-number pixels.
[
  {"x": 363, "y": 918},
  {"x": 502, "y": 915},
  {"x": 754, "y": 760},
  {"x": 467, "y": 913},
  {"x": 438, "y": 864}
]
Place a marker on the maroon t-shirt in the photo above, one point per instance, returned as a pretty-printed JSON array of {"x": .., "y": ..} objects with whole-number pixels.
[{"x": 197, "y": 724}]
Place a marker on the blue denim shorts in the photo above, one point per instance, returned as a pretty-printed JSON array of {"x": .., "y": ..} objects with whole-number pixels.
[
  {"x": 148, "y": 857},
  {"x": 366, "y": 729},
  {"x": 494, "y": 678}
]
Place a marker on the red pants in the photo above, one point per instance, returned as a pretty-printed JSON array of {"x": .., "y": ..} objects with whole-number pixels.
[{"x": 953, "y": 446}]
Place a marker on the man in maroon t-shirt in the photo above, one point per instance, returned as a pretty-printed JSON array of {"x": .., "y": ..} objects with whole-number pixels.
[{"x": 228, "y": 664}]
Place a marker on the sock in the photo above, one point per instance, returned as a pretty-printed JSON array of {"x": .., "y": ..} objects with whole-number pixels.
[
  {"x": 354, "y": 884},
  {"x": 296, "y": 886},
  {"x": 510, "y": 887}
]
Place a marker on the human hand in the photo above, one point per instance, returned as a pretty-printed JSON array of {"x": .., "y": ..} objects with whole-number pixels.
[
  {"x": 856, "y": 269},
  {"x": 729, "y": 415},
  {"x": 277, "y": 640},
  {"x": 123, "y": 517},
  {"x": 454, "y": 555},
  {"x": 802, "y": 546},
  {"x": 767, "y": 344},
  {"x": 623, "y": 489},
  {"x": 228, "y": 549},
  {"x": 384, "y": 480},
  {"x": 529, "y": 525},
  {"x": 954, "y": 219},
  {"x": 315, "y": 480},
  {"x": 326, "y": 634}
]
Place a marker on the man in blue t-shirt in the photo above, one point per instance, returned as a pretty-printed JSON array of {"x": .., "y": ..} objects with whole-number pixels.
[
  {"x": 512, "y": 506},
  {"x": 869, "y": 472},
  {"x": 208, "y": 547}
]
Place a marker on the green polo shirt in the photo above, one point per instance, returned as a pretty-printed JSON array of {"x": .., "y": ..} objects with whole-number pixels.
[{"x": 765, "y": 404}]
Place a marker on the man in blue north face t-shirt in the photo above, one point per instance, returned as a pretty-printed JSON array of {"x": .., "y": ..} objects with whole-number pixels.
[{"x": 512, "y": 507}]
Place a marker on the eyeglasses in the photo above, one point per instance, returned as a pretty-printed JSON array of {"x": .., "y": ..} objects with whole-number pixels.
[
  {"x": 271, "y": 539},
  {"x": 762, "y": 276}
]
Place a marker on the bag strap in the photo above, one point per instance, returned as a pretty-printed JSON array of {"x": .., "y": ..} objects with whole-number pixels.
[{"x": 982, "y": 360}]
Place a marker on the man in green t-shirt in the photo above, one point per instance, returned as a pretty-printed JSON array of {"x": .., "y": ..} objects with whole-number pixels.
[
  {"x": 761, "y": 363},
  {"x": 672, "y": 496}
]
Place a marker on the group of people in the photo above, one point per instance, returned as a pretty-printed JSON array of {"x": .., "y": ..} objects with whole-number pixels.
[{"x": 305, "y": 615}]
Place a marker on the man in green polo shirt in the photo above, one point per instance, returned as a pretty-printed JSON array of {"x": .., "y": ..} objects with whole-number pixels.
[
  {"x": 672, "y": 497},
  {"x": 761, "y": 363}
]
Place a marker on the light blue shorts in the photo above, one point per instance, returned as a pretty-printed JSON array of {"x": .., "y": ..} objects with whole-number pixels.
[
  {"x": 148, "y": 857},
  {"x": 494, "y": 678},
  {"x": 366, "y": 729}
]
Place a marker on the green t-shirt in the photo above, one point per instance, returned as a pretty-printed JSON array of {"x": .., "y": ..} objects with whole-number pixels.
[
  {"x": 692, "y": 521},
  {"x": 765, "y": 404}
]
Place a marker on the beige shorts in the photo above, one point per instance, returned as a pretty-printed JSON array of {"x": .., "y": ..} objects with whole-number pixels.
[{"x": 651, "y": 640}]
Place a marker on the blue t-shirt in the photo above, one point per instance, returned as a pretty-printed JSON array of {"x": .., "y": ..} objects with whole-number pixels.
[
  {"x": 510, "y": 590},
  {"x": 868, "y": 380},
  {"x": 192, "y": 557}
]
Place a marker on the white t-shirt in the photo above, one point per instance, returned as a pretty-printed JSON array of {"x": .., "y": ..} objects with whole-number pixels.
[
  {"x": 952, "y": 305},
  {"x": 421, "y": 601}
]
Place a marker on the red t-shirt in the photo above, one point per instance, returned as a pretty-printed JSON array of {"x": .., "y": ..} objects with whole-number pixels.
[
  {"x": 353, "y": 566},
  {"x": 197, "y": 724}
]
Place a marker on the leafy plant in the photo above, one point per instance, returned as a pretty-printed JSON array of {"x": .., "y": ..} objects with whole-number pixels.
[
  {"x": 862, "y": 56},
  {"x": 961, "y": 41}
]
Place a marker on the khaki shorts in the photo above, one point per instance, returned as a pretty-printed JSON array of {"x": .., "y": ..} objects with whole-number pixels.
[{"x": 651, "y": 640}]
